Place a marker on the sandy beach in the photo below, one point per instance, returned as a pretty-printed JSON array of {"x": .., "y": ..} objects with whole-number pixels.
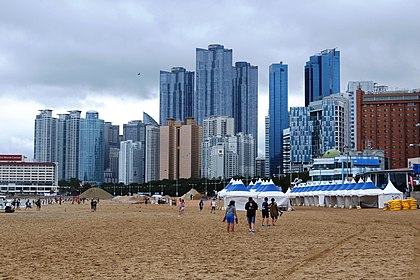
[{"x": 121, "y": 241}]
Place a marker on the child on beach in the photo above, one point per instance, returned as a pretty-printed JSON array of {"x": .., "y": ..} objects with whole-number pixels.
[
  {"x": 230, "y": 216},
  {"x": 181, "y": 206},
  {"x": 213, "y": 206}
]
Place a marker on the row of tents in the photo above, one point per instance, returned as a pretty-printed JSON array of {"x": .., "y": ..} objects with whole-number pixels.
[{"x": 331, "y": 194}]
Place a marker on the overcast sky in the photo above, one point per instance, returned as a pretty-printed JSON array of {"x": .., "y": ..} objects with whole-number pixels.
[{"x": 85, "y": 55}]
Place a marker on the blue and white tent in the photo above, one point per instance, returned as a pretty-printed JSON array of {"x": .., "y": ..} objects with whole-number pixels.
[
  {"x": 270, "y": 190},
  {"x": 239, "y": 193}
]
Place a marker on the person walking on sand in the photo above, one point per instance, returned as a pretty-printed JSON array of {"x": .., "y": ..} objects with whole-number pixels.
[
  {"x": 274, "y": 211},
  {"x": 213, "y": 206},
  {"x": 251, "y": 208},
  {"x": 265, "y": 211},
  {"x": 181, "y": 206},
  {"x": 201, "y": 205},
  {"x": 230, "y": 216},
  {"x": 38, "y": 204}
]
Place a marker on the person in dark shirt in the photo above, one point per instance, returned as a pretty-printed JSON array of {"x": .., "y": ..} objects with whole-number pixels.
[
  {"x": 251, "y": 208},
  {"x": 265, "y": 211}
]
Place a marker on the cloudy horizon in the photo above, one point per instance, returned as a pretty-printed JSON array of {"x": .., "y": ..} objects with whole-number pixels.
[{"x": 85, "y": 55}]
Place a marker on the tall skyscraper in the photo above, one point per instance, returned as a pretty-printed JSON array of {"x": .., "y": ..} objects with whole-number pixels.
[
  {"x": 111, "y": 142},
  {"x": 214, "y": 92},
  {"x": 152, "y": 157},
  {"x": 180, "y": 153},
  {"x": 71, "y": 144},
  {"x": 176, "y": 94},
  {"x": 278, "y": 114},
  {"x": 92, "y": 150},
  {"x": 45, "y": 149},
  {"x": 322, "y": 75},
  {"x": 245, "y": 99}
]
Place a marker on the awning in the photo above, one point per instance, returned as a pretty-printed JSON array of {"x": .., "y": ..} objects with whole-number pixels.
[{"x": 366, "y": 162}]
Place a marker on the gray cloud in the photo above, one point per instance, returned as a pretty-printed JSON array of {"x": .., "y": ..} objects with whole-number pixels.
[{"x": 59, "y": 53}]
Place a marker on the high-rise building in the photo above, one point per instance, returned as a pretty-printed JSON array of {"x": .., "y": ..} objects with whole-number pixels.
[
  {"x": 224, "y": 154},
  {"x": 300, "y": 138},
  {"x": 71, "y": 144},
  {"x": 260, "y": 167},
  {"x": 218, "y": 126},
  {"x": 134, "y": 130},
  {"x": 91, "y": 150},
  {"x": 131, "y": 163},
  {"x": 317, "y": 128},
  {"x": 176, "y": 94},
  {"x": 245, "y": 99},
  {"x": 147, "y": 119},
  {"x": 352, "y": 86},
  {"x": 152, "y": 153},
  {"x": 267, "y": 146},
  {"x": 111, "y": 142},
  {"x": 215, "y": 130},
  {"x": 389, "y": 122},
  {"x": 61, "y": 145},
  {"x": 45, "y": 149},
  {"x": 322, "y": 75},
  {"x": 180, "y": 153},
  {"x": 278, "y": 114},
  {"x": 214, "y": 91}
]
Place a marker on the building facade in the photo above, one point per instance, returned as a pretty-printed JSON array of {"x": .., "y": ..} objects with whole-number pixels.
[
  {"x": 278, "y": 115},
  {"x": 22, "y": 177},
  {"x": 214, "y": 78},
  {"x": 176, "y": 95},
  {"x": 152, "y": 153},
  {"x": 388, "y": 121},
  {"x": 352, "y": 86},
  {"x": 180, "y": 150},
  {"x": 131, "y": 163},
  {"x": 111, "y": 148},
  {"x": 92, "y": 149},
  {"x": 322, "y": 75},
  {"x": 45, "y": 148},
  {"x": 245, "y": 99}
]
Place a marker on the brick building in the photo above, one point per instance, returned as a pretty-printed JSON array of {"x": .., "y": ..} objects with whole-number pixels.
[{"x": 388, "y": 121}]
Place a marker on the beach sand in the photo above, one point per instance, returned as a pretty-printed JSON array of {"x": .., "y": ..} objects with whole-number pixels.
[{"x": 122, "y": 241}]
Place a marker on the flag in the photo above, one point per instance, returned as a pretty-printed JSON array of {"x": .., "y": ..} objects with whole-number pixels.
[
  {"x": 80, "y": 185},
  {"x": 411, "y": 183}
]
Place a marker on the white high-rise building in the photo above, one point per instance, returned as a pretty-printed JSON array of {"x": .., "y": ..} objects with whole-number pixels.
[
  {"x": 152, "y": 159},
  {"x": 131, "y": 169},
  {"x": 44, "y": 139}
]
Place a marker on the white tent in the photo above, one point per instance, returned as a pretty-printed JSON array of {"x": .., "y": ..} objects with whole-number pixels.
[
  {"x": 389, "y": 193},
  {"x": 272, "y": 191},
  {"x": 240, "y": 194}
]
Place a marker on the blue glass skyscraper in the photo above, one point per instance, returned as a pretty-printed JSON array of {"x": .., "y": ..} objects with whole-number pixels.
[
  {"x": 322, "y": 75},
  {"x": 245, "y": 100},
  {"x": 278, "y": 114},
  {"x": 91, "y": 155},
  {"x": 214, "y": 91},
  {"x": 176, "y": 95}
]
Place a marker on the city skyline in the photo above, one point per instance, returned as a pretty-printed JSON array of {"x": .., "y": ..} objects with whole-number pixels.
[{"x": 55, "y": 56}]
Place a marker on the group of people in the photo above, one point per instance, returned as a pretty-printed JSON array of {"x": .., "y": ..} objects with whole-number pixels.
[{"x": 268, "y": 210}]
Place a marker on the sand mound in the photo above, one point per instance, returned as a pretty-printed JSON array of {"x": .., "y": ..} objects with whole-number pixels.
[
  {"x": 129, "y": 199},
  {"x": 96, "y": 193}
]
